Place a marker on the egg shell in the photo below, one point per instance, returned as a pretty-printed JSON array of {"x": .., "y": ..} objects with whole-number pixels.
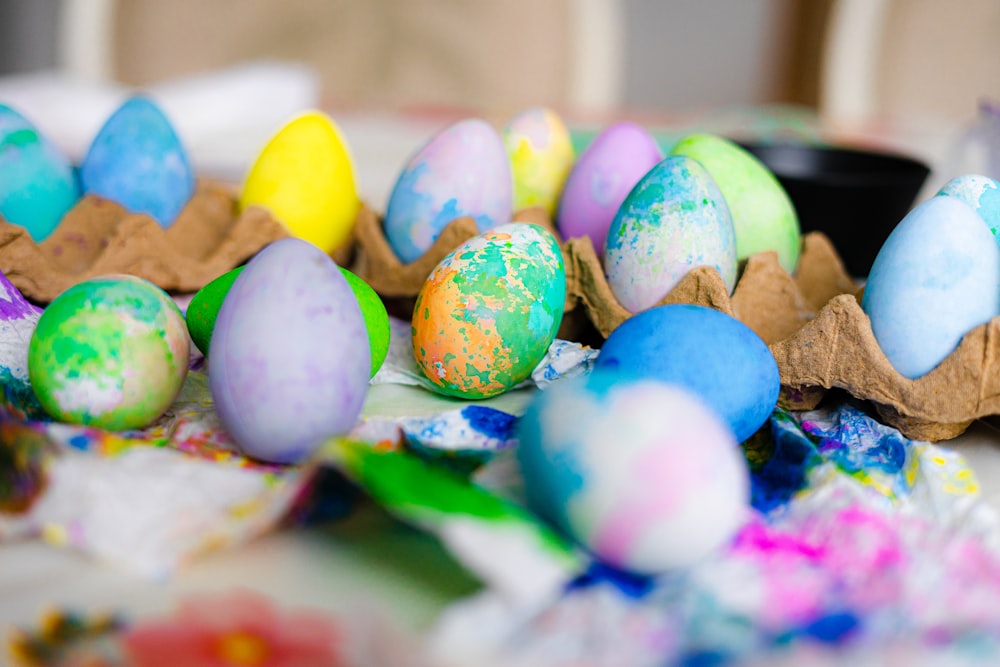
[
  {"x": 290, "y": 361},
  {"x": 640, "y": 472},
  {"x": 541, "y": 156},
  {"x": 763, "y": 214},
  {"x": 674, "y": 219},
  {"x": 37, "y": 182},
  {"x": 602, "y": 177},
  {"x": 204, "y": 308},
  {"x": 110, "y": 352},
  {"x": 304, "y": 176},
  {"x": 461, "y": 171},
  {"x": 489, "y": 311},
  {"x": 980, "y": 192},
  {"x": 137, "y": 160},
  {"x": 936, "y": 277},
  {"x": 704, "y": 350}
]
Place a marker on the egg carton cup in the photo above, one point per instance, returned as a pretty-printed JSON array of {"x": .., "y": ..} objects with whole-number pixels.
[{"x": 99, "y": 237}]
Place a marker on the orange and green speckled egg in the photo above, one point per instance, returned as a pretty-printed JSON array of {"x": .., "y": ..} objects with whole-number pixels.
[
  {"x": 489, "y": 311},
  {"x": 110, "y": 352}
]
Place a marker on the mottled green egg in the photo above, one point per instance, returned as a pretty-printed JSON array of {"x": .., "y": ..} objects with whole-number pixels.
[
  {"x": 488, "y": 313},
  {"x": 110, "y": 352}
]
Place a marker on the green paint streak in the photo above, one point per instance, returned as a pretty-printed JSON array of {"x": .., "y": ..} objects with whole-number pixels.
[
  {"x": 420, "y": 491},
  {"x": 20, "y": 138}
]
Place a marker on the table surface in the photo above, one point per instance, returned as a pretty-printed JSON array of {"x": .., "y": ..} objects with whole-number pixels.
[{"x": 368, "y": 556}]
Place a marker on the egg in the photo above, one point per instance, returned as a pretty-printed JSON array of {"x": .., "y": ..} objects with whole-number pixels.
[
  {"x": 602, "y": 177},
  {"x": 489, "y": 311},
  {"x": 37, "y": 183},
  {"x": 763, "y": 215},
  {"x": 936, "y": 277},
  {"x": 461, "y": 171},
  {"x": 305, "y": 177},
  {"x": 110, "y": 352},
  {"x": 137, "y": 160},
  {"x": 18, "y": 318},
  {"x": 203, "y": 310},
  {"x": 541, "y": 155},
  {"x": 640, "y": 472},
  {"x": 980, "y": 192},
  {"x": 290, "y": 361},
  {"x": 673, "y": 220},
  {"x": 704, "y": 350}
]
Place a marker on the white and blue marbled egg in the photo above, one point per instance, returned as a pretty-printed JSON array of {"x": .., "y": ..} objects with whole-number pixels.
[
  {"x": 461, "y": 171},
  {"x": 675, "y": 219},
  {"x": 936, "y": 277},
  {"x": 980, "y": 192}
]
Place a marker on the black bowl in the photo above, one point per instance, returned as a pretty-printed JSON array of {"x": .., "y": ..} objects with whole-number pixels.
[{"x": 855, "y": 197}]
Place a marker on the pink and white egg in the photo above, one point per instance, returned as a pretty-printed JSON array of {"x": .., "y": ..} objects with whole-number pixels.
[{"x": 642, "y": 473}]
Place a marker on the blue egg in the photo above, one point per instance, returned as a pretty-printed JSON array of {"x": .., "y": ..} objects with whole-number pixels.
[
  {"x": 138, "y": 161},
  {"x": 936, "y": 277},
  {"x": 711, "y": 353},
  {"x": 675, "y": 219},
  {"x": 37, "y": 183},
  {"x": 982, "y": 193}
]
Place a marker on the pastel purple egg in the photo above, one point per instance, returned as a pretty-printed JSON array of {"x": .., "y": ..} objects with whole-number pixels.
[
  {"x": 461, "y": 171},
  {"x": 601, "y": 179},
  {"x": 290, "y": 358}
]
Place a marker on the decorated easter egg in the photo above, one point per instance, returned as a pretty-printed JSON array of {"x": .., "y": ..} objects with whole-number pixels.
[
  {"x": 602, "y": 177},
  {"x": 204, "y": 309},
  {"x": 461, "y": 171},
  {"x": 37, "y": 183},
  {"x": 290, "y": 361},
  {"x": 305, "y": 177},
  {"x": 640, "y": 472},
  {"x": 704, "y": 350},
  {"x": 489, "y": 311},
  {"x": 138, "y": 161},
  {"x": 763, "y": 215},
  {"x": 541, "y": 156},
  {"x": 675, "y": 219},
  {"x": 936, "y": 277},
  {"x": 980, "y": 192},
  {"x": 110, "y": 352}
]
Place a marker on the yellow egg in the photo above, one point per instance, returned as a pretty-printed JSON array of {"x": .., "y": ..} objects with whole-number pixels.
[
  {"x": 305, "y": 177},
  {"x": 541, "y": 156}
]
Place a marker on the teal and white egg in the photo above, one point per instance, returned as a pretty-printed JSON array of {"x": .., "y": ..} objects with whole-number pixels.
[
  {"x": 675, "y": 219},
  {"x": 980, "y": 192},
  {"x": 640, "y": 472}
]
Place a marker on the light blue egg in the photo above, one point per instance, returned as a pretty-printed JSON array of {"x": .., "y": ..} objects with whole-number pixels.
[
  {"x": 981, "y": 193},
  {"x": 462, "y": 171},
  {"x": 707, "y": 351},
  {"x": 138, "y": 161},
  {"x": 37, "y": 183},
  {"x": 675, "y": 219},
  {"x": 936, "y": 277}
]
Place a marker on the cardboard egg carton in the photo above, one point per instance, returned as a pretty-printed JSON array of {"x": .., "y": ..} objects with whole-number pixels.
[
  {"x": 99, "y": 237},
  {"x": 812, "y": 322}
]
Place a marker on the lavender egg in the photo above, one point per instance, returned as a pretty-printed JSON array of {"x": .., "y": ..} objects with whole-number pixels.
[
  {"x": 290, "y": 358},
  {"x": 462, "y": 171},
  {"x": 674, "y": 220},
  {"x": 602, "y": 177}
]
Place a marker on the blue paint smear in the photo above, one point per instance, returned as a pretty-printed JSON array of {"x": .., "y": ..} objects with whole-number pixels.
[
  {"x": 490, "y": 422},
  {"x": 633, "y": 586},
  {"x": 785, "y": 472}
]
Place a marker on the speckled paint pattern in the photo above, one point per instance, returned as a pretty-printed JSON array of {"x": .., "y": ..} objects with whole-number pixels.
[{"x": 489, "y": 311}]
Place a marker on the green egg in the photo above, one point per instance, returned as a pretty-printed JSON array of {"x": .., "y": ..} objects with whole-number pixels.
[
  {"x": 204, "y": 309},
  {"x": 763, "y": 215}
]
